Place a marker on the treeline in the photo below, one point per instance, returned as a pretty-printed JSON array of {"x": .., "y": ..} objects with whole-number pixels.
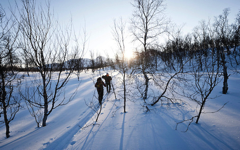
[
  {"x": 214, "y": 39},
  {"x": 193, "y": 64}
]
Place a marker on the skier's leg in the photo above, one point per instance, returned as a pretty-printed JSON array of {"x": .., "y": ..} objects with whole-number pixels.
[
  {"x": 99, "y": 97},
  {"x": 107, "y": 86},
  {"x": 101, "y": 94}
]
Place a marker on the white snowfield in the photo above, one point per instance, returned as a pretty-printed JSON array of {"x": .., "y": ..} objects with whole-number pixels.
[{"x": 73, "y": 126}]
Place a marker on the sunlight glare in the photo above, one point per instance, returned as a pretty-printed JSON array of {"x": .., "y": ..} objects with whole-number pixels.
[{"x": 128, "y": 55}]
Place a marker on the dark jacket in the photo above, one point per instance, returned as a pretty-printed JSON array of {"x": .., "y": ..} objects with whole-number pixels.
[
  {"x": 107, "y": 79},
  {"x": 99, "y": 85}
]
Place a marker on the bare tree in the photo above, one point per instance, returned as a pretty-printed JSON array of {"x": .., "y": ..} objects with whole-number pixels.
[
  {"x": 201, "y": 85},
  {"x": 148, "y": 23},
  {"x": 234, "y": 58},
  {"x": 201, "y": 82},
  {"x": 92, "y": 63},
  {"x": 100, "y": 62},
  {"x": 46, "y": 44},
  {"x": 223, "y": 32},
  {"x": 79, "y": 51},
  {"x": 171, "y": 72},
  {"x": 120, "y": 37},
  {"x": 30, "y": 96},
  {"x": 212, "y": 42},
  {"x": 166, "y": 82},
  {"x": 9, "y": 102},
  {"x": 109, "y": 61}
]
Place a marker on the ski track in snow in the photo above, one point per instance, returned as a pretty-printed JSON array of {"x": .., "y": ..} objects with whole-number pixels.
[
  {"x": 59, "y": 141},
  {"x": 73, "y": 127},
  {"x": 63, "y": 141},
  {"x": 89, "y": 135}
]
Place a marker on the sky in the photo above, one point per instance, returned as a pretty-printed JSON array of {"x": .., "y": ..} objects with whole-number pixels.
[{"x": 96, "y": 17}]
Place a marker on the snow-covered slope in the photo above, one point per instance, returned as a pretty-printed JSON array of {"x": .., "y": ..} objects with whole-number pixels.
[{"x": 71, "y": 126}]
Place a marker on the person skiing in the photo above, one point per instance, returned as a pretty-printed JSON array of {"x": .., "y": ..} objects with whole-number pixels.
[
  {"x": 99, "y": 85},
  {"x": 107, "y": 79}
]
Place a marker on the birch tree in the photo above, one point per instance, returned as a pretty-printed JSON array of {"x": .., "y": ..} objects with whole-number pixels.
[
  {"x": 120, "y": 37},
  {"x": 47, "y": 45},
  {"x": 147, "y": 24},
  {"x": 9, "y": 100}
]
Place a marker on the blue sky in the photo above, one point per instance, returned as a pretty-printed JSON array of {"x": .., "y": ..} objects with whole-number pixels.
[{"x": 97, "y": 16}]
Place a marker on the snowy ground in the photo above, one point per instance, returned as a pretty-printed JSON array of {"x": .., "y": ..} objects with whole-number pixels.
[{"x": 71, "y": 126}]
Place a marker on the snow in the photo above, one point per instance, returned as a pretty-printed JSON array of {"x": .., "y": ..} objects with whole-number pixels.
[{"x": 73, "y": 126}]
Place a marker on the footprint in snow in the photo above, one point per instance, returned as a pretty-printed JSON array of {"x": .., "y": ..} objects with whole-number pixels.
[
  {"x": 73, "y": 142},
  {"x": 46, "y": 143}
]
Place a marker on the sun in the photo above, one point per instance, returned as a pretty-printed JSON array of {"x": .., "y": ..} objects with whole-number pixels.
[{"x": 128, "y": 55}]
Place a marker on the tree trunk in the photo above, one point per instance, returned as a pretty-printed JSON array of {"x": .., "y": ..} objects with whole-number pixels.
[
  {"x": 201, "y": 108},
  {"x": 124, "y": 87},
  {"x": 44, "y": 122},
  {"x": 146, "y": 85},
  {"x": 6, "y": 123},
  {"x": 45, "y": 108},
  {"x": 5, "y": 116},
  {"x": 225, "y": 75},
  {"x": 4, "y": 105}
]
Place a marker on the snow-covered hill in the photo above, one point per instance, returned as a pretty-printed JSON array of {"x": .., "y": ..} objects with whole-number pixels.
[{"x": 71, "y": 126}]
